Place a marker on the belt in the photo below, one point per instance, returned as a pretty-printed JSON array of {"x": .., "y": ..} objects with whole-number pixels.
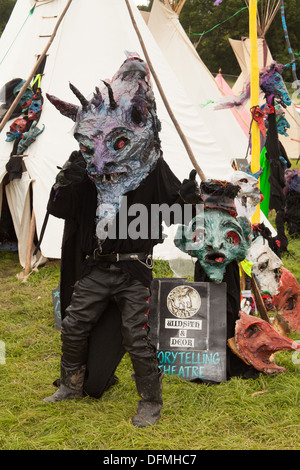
[{"x": 144, "y": 258}]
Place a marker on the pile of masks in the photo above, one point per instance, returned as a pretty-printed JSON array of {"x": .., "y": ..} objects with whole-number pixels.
[{"x": 23, "y": 131}]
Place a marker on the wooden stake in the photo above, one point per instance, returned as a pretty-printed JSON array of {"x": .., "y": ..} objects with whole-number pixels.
[
  {"x": 171, "y": 114},
  {"x": 29, "y": 244},
  {"x": 259, "y": 301}
]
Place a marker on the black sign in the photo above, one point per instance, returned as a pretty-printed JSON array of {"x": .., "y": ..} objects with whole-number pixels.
[{"x": 188, "y": 325}]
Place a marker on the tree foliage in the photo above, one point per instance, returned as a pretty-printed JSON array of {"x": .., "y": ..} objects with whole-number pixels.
[
  {"x": 6, "y": 7},
  {"x": 199, "y": 16}
]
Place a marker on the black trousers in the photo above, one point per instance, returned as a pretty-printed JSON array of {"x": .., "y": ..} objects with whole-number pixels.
[{"x": 90, "y": 299}]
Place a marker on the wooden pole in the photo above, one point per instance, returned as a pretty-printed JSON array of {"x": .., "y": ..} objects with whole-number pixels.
[
  {"x": 30, "y": 244},
  {"x": 26, "y": 84},
  {"x": 259, "y": 300},
  {"x": 163, "y": 96}
]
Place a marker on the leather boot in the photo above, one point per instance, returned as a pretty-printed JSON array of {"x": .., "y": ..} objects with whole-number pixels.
[
  {"x": 71, "y": 385},
  {"x": 150, "y": 390}
]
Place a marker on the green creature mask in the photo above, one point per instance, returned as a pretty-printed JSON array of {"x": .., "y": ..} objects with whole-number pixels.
[{"x": 215, "y": 237}]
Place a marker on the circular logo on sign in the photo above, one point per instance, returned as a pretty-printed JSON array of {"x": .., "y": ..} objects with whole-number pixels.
[{"x": 183, "y": 301}]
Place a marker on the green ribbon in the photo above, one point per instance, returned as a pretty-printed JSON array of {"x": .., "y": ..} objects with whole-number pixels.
[
  {"x": 219, "y": 24},
  {"x": 29, "y": 14}
]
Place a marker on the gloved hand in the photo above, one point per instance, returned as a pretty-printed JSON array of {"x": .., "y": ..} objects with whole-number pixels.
[
  {"x": 190, "y": 189},
  {"x": 73, "y": 171}
]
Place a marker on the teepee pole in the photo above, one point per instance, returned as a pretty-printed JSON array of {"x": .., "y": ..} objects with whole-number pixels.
[
  {"x": 30, "y": 244},
  {"x": 35, "y": 68},
  {"x": 163, "y": 96}
]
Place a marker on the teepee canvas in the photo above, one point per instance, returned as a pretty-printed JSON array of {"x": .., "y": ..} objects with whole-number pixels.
[
  {"x": 195, "y": 78},
  {"x": 242, "y": 115},
  {"x": 85, "y": 53}
]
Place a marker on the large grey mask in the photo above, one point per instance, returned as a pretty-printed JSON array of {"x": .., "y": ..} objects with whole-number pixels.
[{"x": 117, "y": 131}]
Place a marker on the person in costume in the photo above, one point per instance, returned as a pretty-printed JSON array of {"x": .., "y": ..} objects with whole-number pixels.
[{"x": 107, "y": 245}]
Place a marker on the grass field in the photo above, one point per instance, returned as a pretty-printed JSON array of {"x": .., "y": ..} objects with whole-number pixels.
[{"x": 261, "y": 414}]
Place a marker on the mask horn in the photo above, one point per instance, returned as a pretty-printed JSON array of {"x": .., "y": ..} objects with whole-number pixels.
[
  {"x": 112, "y": 102},
  {"x": 84, "y": 102},
  {"x": 97, "y": 99},
  {"x": 66, "y": 109}
]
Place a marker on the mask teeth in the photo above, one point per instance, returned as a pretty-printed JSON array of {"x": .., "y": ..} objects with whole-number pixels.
[{"x": 112, "y": 177}]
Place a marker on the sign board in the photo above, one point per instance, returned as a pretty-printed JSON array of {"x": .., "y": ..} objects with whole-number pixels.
[{"x": 188, "y": 326}]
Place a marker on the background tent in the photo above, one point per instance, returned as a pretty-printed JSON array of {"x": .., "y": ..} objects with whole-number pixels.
[
  {"x": 195, "y": 78},
  {"x": 243, "y": 116},
  {"x": 84, "y": 54}
]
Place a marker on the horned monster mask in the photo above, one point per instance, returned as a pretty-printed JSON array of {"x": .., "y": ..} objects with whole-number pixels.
[{"x": 117, "y": 131}]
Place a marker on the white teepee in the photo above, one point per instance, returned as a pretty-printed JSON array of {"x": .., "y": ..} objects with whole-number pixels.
[
  {"x": 88, "y": 47},
  {"x": 195, "y": 77}
]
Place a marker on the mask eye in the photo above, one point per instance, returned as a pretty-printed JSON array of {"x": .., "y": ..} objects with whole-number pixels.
[
  {"x": 198, "y": 235},
  {"x": 120, "y": 143},
  {"x": 86, "y": 150},
  {"x": 233, "y": 238},
  {"x": 250, "y": 331},
  {"x": 291, "y": 304},
  {"x": 263, "y": 266}
]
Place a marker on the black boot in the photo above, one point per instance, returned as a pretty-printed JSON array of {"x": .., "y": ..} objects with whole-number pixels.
[
  {"x": 71, "y": 385},
  {"x": 150, "y": 390}
]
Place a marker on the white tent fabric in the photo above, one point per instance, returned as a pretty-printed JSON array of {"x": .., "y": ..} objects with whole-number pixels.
[
  {"x": 196, "y": 80},
  {"x": 85, "y": 52},
  {"x": 241, "y": 49}
]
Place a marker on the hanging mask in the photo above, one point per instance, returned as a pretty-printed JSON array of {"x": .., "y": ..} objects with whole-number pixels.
[
  {"x": 272, "y": 84},
  {"x": 34, "y": 109},
  {"x": 249, "y": 194},
  {"x": 26, "y": 96},
  {"x": 287, "y": 301},
  {"x": 16, "y": 130},
  {"x": 282, "y": 124},
  {"x": 266, "y": 266},
  {"x": 29, "y": 137},
  {"x": 117, "y": 133}
]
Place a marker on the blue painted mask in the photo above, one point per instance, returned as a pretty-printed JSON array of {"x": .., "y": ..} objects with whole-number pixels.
[
  {"x": 216, "y": 237},
  {"x": 215, "y": 240},
  {"x": 35, "y": 106},
  {"x": 26, "y": 96}
]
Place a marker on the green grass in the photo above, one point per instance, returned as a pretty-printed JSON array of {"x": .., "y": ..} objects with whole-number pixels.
[{"x": 231, "y": 416}]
